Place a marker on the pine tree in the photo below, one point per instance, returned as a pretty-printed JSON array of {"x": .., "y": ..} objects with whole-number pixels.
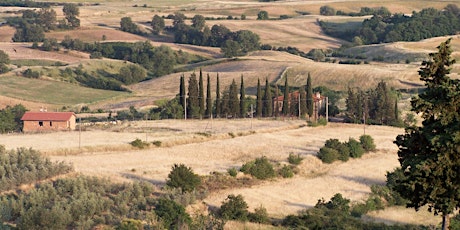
[
  {"x": 218, "y": 99},
  {"x": 208, "y": 98},
  {"x": 243, "y": 108},
  {"x": 309, "y": 96},
  {"x": 268, "y": 101},
  {"x": 259, "y": 100},
  {"x": 286, "y": 98},
  {"x": 429, "y": 155},
  {"x": 193, "y": 104},
  {"x": 234, "y": 103},
  {"x": 201, "y": 95}
]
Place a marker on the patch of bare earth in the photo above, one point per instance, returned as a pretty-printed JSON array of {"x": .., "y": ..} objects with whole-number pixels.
[{"x": 107, "y": 153}]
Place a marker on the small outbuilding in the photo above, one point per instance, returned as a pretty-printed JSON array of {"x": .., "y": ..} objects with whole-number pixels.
[{"x": 48, "y": 121}]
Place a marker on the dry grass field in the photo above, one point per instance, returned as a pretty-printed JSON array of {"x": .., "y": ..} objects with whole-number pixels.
[{"x": 107, "y": 153}]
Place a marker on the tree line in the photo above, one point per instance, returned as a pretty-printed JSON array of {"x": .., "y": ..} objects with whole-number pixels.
[{"x": 386, "y": 27}]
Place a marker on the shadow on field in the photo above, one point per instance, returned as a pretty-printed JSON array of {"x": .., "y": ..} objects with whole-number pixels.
[
  {"x": 363, "y": 180},
  {"x": 135, "y": 177},
  {"x": 304, "y": 206}
]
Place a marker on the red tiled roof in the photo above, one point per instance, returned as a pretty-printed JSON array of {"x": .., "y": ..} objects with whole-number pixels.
[{"x": 47, "y": 116}]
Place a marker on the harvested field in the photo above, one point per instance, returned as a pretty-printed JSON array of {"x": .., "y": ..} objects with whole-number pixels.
[{"x": 107, "y": 153}]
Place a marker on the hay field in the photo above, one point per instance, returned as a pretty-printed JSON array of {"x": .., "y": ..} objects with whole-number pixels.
[{"x": 107, "y": 153}]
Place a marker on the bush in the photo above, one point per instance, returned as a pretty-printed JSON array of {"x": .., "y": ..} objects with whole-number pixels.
[
  {"x": 294, "y": 159},
  {"x": 356, "y": 150},
  {"x": 286, "y": 172},
  {"x": 183, "y": 177},
  {"x": 261, "y": 168},
  {"x": 260, "y": 215},
  {"x": 367, "y": 142},
  {"x": 232, "y": 172},
  {"x": 172, "y": 214},
  {"x": 138, "y": 143},
  {"x": 130, "y": 224},
  {"x": 328, "y": 155},
  {"x": 234, "y": 208},
  {"x": 344, "y": 152},
  {"x": 157, "y": 143}
]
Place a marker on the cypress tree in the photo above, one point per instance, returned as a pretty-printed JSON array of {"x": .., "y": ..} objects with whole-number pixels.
[
  {"x": 218, "y": 100},
  {"x": 277, "y": 108},
  {"x": 201, "y": 95},
  {"x": 182, "y": 91},
  {"x": 286, "y": 98},
  {"x": 303, "y": 102},
  {"x": 193, "y": 104},
  {"x": 234, "y": 104},
  {"x": 309, "y": 97},
  {"x": 259, "y": 100},
  {"x": 208, "y": 98},
  {"x": 243, "y": 109},
  {"x": 268, "y": 101}
]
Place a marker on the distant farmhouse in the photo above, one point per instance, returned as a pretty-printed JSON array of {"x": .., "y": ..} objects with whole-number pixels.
[
  {"x": 319, "y": 102},
  {"x": 48, "y": 121}
]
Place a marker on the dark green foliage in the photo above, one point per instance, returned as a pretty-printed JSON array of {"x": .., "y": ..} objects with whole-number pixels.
[
  {"x": 26, "y": 32},
  {"x": 232, "y": 172},
  {"x": 182, "y": 95},
  {"x": 367, "y": 142},
  {"x": 183, "y": 177},
  {"x": 71, "y": 12},
  {"x": 267, "y": 100},
  {"x": 234, "y": 208},
  {"x": 10, "y": 118},
  {"x": 24, "y": 166},
  {"x": 79, "y": 202},
  {"x": 260, "y": 215},
  {"x": 172, "y": 214},
  {"x": 4, "y": 58},
  {"x": 356, "y": 150},
  {"x": 233, "y": 101},
  {"x": 327, "y": 11},
  {"x": 259, "y": 103},
  {"x": 429, "y": 155},
  {"x": 286, "y": 171},
  {"x": 208, "y": 112},
  {"x": 218, "y": 105},
  {"x": 262, "y": 15},
  {"x": 138, "y": 143},
  {"x": 295, "y": 159},
  {"x": 201, "y": 98},
  {"x": 29, "y": 73},
  {"x": 328, "y": 155},
  {"x": 261, "y": 168},
  {"x": 158, "y": 24},
  {"x": 132, "y": 74},
  {"x": 285, "y": 109},
  {"x": 243, "y": 106},
  {"x": 130, "y": 224},
  {"x": 193, "y": 102}
]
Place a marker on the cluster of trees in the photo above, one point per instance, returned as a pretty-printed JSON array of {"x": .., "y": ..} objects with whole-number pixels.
[
  {"x": 233, "y": 102},
  {"x": 232, "y": 43},
  {"x": 25, "y": 3},
  {"x": 158, "y": 61},
  {"x": 4, "y": 61},
  {"x": 330, "y": 11},
  {"x": 78, "y": 74},
  {"x": 334, "y": 150},
  {"x": 25, "y": 166},
  {"x": 10, "y": 118},
  {"x": 387, "y": 27},
  {"x": 127, "y": 25},
  {"x": 33, "y": 24},
  {"x": 375, "y": 106}
]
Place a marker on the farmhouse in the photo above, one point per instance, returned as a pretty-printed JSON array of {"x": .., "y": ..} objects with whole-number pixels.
[
  {"x": 319, "y": 102},
  {"x": 48, "y": 121}
]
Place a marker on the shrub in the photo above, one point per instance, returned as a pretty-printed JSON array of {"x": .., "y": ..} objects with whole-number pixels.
[
  {"x": 328, "y": 155},
  {"x": 172, "y": 214},
  {"x": 260, "y": 215},
  {"x": 286, "y": 171},
  {"x": 138, "y": 143},
  {"x": 333, "y": 144},
  {"x": 344, "y": 152},
  {"x": 130, "y": 224},
  {"x": 367, "y": 142},
  {"x": 261, "y": 168},
  {"x": 294, "y": 159},
  {"x": 157, "y": 143},
  {"x": 232, "y": 172},
  {"x": 234, "y": 208},
  {"x": 356, "y": 150},
  {"x": 183, "y": 177}
]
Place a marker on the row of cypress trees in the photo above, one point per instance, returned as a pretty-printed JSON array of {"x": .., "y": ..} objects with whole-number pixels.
[{"x": 233, "y": 102}]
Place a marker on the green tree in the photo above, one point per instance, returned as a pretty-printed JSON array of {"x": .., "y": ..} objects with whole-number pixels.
[
  {"x": 127, "y": 25},
  {"x": 429, "y": 154},
  {"x": 262, "y": 15},
  {"x": 208, "y": 98},
  {"x": 182, "y": 95},
  {"x": 231, "y": 48},
  {"x": 276, "y": 107},
  {"x": 286, "y": 98},
  {"x": 309, "y": 96},
  {"x": 198, "y": 22},
  {"x": 268, "y": 101},
  {"x": 327, "y": 11},
  {"x": 201, "y": 94},
  {"x": 243, "y": 107},
  {"x": 46, "y": 18},
  {"x": 172, "y": 214},
  {"x": 183, "y": 177},
  {"x": 71, "y": 12},
  {"x": 218, "y": 99},
  {"x": 158, "y": 24},
  {"x": 234, "y": 208},
  {"x": 259, "y": 104},
  {"x": 234, "y": 103},
  {"x": 193, "y": 104},
  {"x": 4, "y": 58}
]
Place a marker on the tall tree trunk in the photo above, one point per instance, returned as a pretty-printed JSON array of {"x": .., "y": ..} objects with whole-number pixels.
[{"x": 445, "y": 222}]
